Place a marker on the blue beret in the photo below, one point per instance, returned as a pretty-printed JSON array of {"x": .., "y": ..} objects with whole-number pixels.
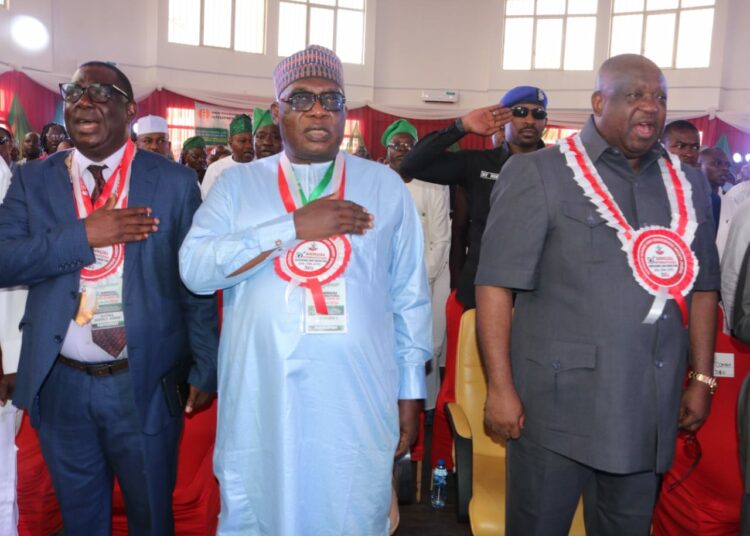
[{"x": 524, "y": 94}]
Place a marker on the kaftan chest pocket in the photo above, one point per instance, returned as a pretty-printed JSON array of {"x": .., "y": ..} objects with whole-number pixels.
[
  {"x": 585, "y": 230},
  {"x": 560, "y": 384}
]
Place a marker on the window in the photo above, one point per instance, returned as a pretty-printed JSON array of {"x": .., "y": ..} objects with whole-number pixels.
[
  {"x": 672, "y": 33},
  {"x": 335, "y": 24},
  {"x": 352, "y": 136},
  {"x": 549, "y": 34},
  {"x": 181, "y": 125},
  {"x": 236, "y": 24}
]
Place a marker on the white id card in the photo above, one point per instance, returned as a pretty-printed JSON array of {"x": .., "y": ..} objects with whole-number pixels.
[
  {"x": 109, "y": 311},
  {"x": 723, "y": 365},
  {"x": 335, "y": 321}
]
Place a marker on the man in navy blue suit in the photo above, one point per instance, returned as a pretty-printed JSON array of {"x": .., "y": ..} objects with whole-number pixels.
[{"x": 110, "y": 333}]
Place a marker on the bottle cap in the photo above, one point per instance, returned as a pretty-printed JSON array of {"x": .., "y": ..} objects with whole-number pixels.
[{"x": 441, "y": 461}]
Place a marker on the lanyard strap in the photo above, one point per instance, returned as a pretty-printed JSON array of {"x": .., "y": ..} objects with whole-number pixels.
[
  {"x": 319, "y": 189},
  {"x": 292, "y": 195},
  {"x": 117, "y": 184}
]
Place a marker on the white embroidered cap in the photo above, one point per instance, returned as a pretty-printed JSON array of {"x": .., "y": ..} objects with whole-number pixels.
[{"x": 151, "y": 123}]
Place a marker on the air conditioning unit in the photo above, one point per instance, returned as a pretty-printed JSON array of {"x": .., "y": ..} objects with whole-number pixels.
[{"x": 440, "y": 95}]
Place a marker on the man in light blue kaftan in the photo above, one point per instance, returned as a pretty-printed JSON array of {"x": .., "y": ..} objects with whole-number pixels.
[{"x": 309, "y": 422}]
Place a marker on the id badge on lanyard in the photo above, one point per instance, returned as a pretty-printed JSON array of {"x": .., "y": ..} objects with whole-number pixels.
[
  {"x": 101, "y": 292},
  {"x": 316, "y": 265},
  {"x": 109, "y": 309},
  {"x": 335, "y": 321}
]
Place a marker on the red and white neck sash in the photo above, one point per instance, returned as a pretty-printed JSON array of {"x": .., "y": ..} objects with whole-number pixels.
[
  {"x": 660, "y": 257},
  {"x": 108, "y": 260},
  {"x": 312, "y": 263}
]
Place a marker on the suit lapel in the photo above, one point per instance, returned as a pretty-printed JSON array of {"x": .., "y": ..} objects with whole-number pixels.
[
  {"x": 143, "y": 180},
  {"x": 59, "y": 190}
]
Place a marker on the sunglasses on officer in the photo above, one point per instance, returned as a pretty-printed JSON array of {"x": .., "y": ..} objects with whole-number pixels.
[
  {"x": 523, "y": 111},
  {"x": 303, "y": 101},
  {"x": 72, "y": 92}
]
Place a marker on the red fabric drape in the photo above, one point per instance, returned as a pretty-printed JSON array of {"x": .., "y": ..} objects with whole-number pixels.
[
  {"x": 195, "y": 499},
  {"x": 37, "y": 504},
  {"x": 713, "y": 129},
  {"x": 442, "y": 438},
  {"x": 373, "y": 123},
  {"x": 38, "y": 102},
  {"x": 707, "y": 502},
  {"x": 161, "y": 99}
]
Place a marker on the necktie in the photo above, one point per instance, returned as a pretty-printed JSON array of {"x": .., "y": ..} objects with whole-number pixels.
[
  {"x": 97, "y": 172},
  {"x": 111, "y": 340}
]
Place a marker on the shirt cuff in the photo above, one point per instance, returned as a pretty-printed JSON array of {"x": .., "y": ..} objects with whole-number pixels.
[
  {"x": 412, "y": 386},
  {"x": 496, "y": 276},
  {"x": 11, "y": 354},
  {"x": 278, "y": 233}
]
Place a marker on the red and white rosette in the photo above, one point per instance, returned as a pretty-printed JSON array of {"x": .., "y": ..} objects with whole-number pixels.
[
  {"x": 108, "y": 260},
  {"x": 660, "y": 258},
  {"x": 312, "y": 263}
]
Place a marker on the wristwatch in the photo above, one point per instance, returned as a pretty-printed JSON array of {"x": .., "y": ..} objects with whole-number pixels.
[
  {"x": 460, "y": 126},
  {"x": 708, "y": 380}
]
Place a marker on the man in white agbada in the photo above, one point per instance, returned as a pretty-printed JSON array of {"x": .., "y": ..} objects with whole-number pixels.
[
  {"x": 152, "y": 134},
  {"x": 730, "y": 207},
  {"x": 12, "y": 305},
  {"x": 243, "y": 151},
  {"x": 432, "y": 202},
  {"x": 327, "y": 320}
]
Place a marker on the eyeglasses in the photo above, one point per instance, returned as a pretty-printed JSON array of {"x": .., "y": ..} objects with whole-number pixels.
[
  {"x": 692, "y": 450},
  {"x": 303, "y": 101},
  {"x": 403, "y": 146},
  {"x": 72, "y": 92},
  {"x": 522, "y": 111}
]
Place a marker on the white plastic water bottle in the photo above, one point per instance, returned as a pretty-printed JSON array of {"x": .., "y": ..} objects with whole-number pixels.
[{"x": 439, "y": 485}]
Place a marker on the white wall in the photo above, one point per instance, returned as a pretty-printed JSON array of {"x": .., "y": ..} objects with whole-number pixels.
[
  {"x": 429, "y": 44},
  {"x": 434, "y": 44},
  {"x": 17, "y": 57},
  {"x": 412, "y": 45}
]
